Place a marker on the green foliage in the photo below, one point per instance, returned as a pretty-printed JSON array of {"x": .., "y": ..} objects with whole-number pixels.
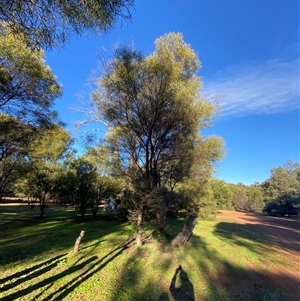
[
  {"x": 15, "y": 136},
  {"x": 50, "y": 23},
  {"x": 38, "y": 180},
  {"x": 76, "y": 185},
  {"x": 38, "y": 185},
  {"x": 255, "y": 197},
  {"x": 154, "y": 112},
  {"x": 104, "y": 188},
  {"x": 240, "y": 199},
  {"x": 52, "y": 146},
  {"x": 196, "y": 197},
  {"x": 282, "y": 190},
  {"x": 27, "y": 86},
  {"x": 106, "y": 160},
  {"x": 222, "y": 194}
]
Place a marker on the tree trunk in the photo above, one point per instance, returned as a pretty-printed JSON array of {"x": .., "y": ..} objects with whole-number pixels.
[
  {"x": 139, "y": 228},
  {"x": 288, "y": 206},
  {"x": 43, "y": 206},
  {"x": 183, "y": 236},
  {"x": 94, "y": 208},
  {"x": 78, "y": 240},
  {"x": 160, "y": 219}
]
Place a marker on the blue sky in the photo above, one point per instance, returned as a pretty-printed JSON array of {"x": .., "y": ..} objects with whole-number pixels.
[{"x": 249, "y": 51}]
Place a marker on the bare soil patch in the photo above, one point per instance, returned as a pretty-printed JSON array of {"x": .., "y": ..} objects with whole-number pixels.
[{"x": 283, "y": 234}]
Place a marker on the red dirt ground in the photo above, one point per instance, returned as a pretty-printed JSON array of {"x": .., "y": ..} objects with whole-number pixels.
[{"x": 283, "y": 234}]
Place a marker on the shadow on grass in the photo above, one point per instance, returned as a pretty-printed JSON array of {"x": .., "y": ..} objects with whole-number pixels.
[
  {"x": 87, "y": 267},
  {"x": 27, "y": 239},
  {"x": 139, "y": 277},
  {"x": 227, "y": 281},
  {"x": 185, "y": 289},
  {"x": 143, "y": 279},
  {"x": 212, "y": 278},
  {"x": 30, "y": 273},
  {"x": 48, "y": 281},
  {"x": 263, "y": 233},
  {"x": 87, "y": 272}
]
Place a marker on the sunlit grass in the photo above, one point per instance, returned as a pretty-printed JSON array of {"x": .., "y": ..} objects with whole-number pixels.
[{"x": 221, "y": 261}]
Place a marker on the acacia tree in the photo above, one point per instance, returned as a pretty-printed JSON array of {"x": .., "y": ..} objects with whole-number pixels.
[
  {"x": 154, "y": 113},
  {"x": 50, "y": 23},
  {"x": 27, "y": 86}
]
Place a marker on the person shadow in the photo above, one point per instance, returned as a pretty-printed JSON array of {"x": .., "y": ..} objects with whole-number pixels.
[{"x": 181, "y": 287}]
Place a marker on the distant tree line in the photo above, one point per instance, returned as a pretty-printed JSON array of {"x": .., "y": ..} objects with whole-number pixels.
[{"x": 279, "y": 195}]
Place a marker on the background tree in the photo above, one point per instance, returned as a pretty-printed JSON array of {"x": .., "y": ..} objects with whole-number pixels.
[
  {"x": 222, "y": 194},
  {"x": 50, "y": 23},
  {"x": 239, "y": 198},
  {"x": 106, "y": 161},
  {"x": 104, "y": 188},
  {"x": 46, "y": 155},
  {"x": 38, "y": 186},
  {"x": 255, "y": 197},
  {"x": 282, "y": 190},
  {"x": 15, "y": 136},
  {"x": 154, "y": 113},
  {"x": 81, "y": 177},
  {"x": 27, "y": 86}
]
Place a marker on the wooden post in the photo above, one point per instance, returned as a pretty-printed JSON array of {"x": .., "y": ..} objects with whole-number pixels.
[
  {"x": 183, "y": 236},
  {"x": 78, "y": 240}
]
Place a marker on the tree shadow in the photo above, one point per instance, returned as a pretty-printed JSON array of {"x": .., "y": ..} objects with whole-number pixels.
[
  {"x": 266, "y": 234},
  {"x": 236, "y": 283},
  {"x": 86, "y": 267},
  {"x": 87, "y": 271},
  {"x": 185, "y": 290},
  {"x": 30, "y": 273},
  {"x": 28, "y": 239},
  {"x": 50, "y": 280},
  {"x": 138, "y": 281}
]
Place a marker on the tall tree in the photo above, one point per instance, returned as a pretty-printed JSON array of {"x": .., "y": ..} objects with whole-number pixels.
[
  {"x": 46, "y": 154},
  {"x": 50, "y": 23},
  {"x": 15, "y": 137},
  {"x": 222, "y": 194},
  {"x": 255, "y": 197},
  {"x": 154, "y": 112},
  {"x": 239, "y": 197},
  {"x": 27, "y": 86},
  {"x": 282, "y": 190},
  {"x": 78, "y": 185}
]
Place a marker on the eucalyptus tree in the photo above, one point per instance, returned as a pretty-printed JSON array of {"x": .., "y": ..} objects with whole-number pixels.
[
  {"x": 50, "y": 23},
  {"x": 154, "y": 112},
  {"x": 27, "y": 86}
]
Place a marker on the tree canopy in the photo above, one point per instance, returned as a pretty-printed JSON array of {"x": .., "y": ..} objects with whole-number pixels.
[
  {"x": 48, "y": 24},
  {"x": 27, "y": 86},
  {"x": 282, "y": 190},
  {"x": 154, "y": 112}
]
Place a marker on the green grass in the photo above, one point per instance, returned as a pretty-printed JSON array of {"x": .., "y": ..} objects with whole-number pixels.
[{"x": 221, "y": 261}]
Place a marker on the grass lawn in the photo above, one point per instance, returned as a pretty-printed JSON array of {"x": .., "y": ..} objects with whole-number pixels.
[{"x": 221, "y": 261}]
